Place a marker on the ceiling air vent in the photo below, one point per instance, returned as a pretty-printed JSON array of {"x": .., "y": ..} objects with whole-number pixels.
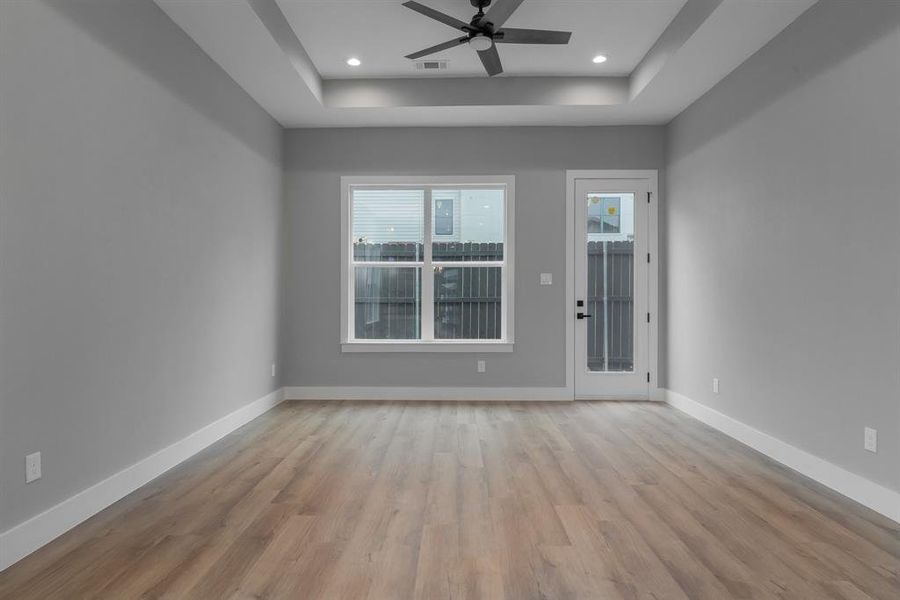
[{"x": 432, "y": 65}]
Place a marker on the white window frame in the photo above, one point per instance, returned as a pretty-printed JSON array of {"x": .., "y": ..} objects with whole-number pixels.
[{"x": 428, "y": 343}]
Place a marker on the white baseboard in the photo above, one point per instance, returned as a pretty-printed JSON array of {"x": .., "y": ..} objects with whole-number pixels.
[
  {"x": 428, "y": 393},
  {"x": 866, "y": 492},
  {"x": 25, "y": 538}
]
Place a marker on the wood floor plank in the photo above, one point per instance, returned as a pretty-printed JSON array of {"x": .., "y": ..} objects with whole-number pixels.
[{"x": 494, "y": 501}]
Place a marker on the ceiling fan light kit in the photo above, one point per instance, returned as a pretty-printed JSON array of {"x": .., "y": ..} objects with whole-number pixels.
[
  {"x": 485, "y": 30},
  {"x": 480, "y": 42}
]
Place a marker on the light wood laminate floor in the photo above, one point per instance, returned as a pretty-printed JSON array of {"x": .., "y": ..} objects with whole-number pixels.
[{"x": 512, "y": 501}]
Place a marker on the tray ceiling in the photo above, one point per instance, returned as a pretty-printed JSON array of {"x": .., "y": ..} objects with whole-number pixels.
[{"x": 290, "y": 56}]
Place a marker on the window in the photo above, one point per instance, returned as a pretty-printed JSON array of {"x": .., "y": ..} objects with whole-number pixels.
[
  {"x": 428, "y": 264},
  {"x": 609, "y": 218},
  {"x": 443, "y": 216}
]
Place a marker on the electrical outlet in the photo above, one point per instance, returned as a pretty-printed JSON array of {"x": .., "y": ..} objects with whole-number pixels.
[
  {"x": 546, "y": 278},
  {"x": 481, "y": 366},
  {"x": 273, "y": 369},
  {"x": 32, "y": 467},
  {"x": 715, "y": 385},
  {"x": 871, "y": 440}
]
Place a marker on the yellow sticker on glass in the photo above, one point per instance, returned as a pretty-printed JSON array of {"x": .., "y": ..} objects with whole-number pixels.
[{"x": 611, "y": 210}]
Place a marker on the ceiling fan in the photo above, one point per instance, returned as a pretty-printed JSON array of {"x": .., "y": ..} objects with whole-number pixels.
[{"x": 485, "y": 30}]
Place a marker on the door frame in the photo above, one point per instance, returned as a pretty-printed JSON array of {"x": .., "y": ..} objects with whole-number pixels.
[{"x": 652, "y": 178}]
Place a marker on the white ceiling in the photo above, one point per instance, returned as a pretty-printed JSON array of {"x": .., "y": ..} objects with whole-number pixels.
[
  {"x": 382, "y": 32},
  {"x": 666, "y": 62}
]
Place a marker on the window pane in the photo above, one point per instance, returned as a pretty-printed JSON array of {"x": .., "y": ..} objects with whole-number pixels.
[
  {"x": 467, "y": 303},
  {"x": 611, "y": 215},
  {"x": 388, "y": 303},
  {"x": 610, "y": 225},
  {"x": 468, "y": 224},
  {"x": 443, "y": 217},
  {"x": 610, "y": 282},
  {"x": 388, "y": 225}
]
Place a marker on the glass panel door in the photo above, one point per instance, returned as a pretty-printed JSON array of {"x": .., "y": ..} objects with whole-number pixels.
[{"x": 611, "y": 288}]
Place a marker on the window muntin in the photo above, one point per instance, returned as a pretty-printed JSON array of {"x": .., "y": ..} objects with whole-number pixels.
[{"x": 429, "y": 229}]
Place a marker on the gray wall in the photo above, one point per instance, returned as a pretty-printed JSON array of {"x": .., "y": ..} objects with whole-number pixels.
[
  {"x": 140, "y": 201},
  {"x": 314, "y": 162},
  {"x": 784, "y": 239}
]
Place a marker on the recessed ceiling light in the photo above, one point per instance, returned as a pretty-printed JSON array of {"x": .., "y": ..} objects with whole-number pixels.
[
  {"x": 354, "y": 62},
  {"x": 599, "y": 59}
]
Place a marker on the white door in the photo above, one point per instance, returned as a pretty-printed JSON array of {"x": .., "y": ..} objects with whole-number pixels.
[{"x": 611, "y": 312}]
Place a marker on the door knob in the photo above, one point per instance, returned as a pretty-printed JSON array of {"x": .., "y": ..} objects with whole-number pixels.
[{"x": 581, "y": 315}]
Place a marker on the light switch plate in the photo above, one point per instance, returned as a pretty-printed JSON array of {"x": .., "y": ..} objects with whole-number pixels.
[
  {"x": 870, "y": 441},
  {"x": 32, "y": 467},
  {"x": 481, "y": 366},
  {"x": 546, "y": 278}
]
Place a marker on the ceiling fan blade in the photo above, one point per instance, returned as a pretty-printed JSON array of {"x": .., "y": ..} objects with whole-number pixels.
[
  {"x": 438, "y": 48},
  {"x": 532, "y": 36},
  {"x": 499, "y": 13},
  {"x": 438, "y": 16},
  {"x": 490, "y": 58}
]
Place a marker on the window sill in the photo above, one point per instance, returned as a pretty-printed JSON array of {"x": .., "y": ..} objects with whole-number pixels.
[{"x": 425, "y": 347}]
